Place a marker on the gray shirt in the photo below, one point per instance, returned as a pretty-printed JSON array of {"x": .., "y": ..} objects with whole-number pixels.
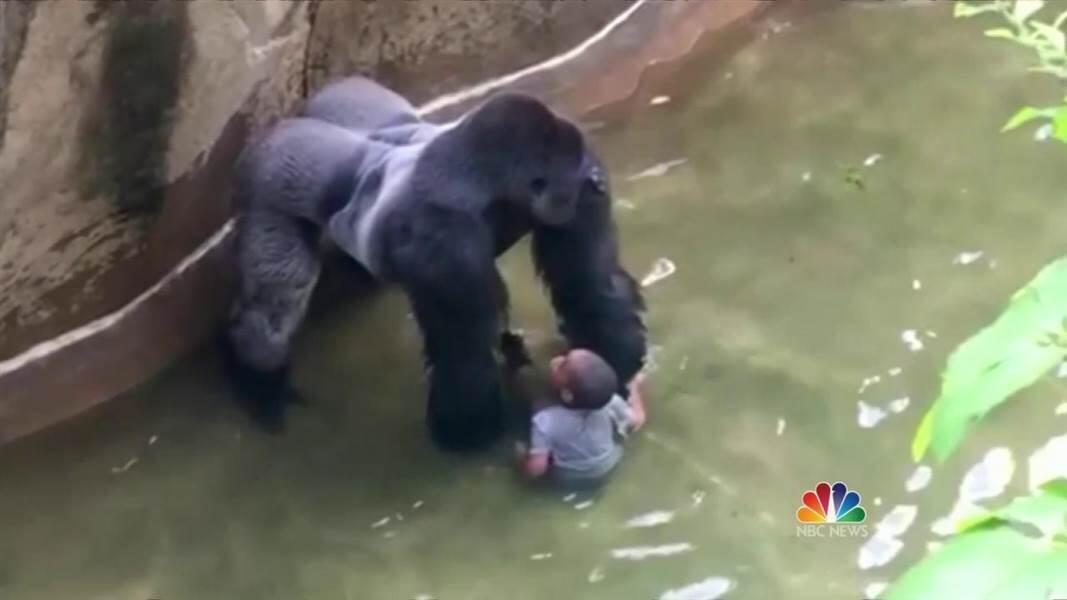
[{"x": 584, "y": 444}]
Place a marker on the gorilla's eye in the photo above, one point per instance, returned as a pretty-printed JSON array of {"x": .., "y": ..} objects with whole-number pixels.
[{"x": 538, "y": 186}]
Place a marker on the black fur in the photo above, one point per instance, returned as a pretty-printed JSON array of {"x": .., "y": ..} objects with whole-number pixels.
[
  {"x": 597, "y": 301},
  {"x": 428, "y": 207}
]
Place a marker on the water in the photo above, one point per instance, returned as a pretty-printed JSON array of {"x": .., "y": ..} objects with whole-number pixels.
[{"x": 793, "y": 288}]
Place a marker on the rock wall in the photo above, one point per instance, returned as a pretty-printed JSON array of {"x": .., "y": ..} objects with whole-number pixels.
[
  {"x": 433, "y": 47},
  {"x": 107, "y": 105}
]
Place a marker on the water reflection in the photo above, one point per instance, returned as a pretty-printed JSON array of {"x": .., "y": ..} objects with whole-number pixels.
[{"x": 708, "y": 589}]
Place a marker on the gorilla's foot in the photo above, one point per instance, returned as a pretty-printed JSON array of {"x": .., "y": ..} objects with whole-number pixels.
[{"x": 466, "y": 424}]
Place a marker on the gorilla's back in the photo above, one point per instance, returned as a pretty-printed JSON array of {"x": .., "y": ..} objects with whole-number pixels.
[
  {"x": 383, "y": 184},
  {"x": 360, "y": 104}
]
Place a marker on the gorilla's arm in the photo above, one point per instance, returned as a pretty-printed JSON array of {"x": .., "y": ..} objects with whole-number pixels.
[
  {"x": 598, "y": 302},
  {"x": 443, "y": 258}
]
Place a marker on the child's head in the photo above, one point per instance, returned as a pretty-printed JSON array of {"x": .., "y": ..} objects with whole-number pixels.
[{"x": 585, "y": 381}]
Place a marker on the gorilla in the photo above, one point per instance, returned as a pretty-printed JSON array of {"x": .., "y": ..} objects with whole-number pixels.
[{"x": 428, "y": 207}]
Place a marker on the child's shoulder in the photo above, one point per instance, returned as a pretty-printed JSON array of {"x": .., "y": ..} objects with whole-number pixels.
[{"x": 549, "y": 412}]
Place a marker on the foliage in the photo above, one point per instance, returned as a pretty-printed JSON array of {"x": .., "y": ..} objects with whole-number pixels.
[
  {"x": 1024, "y": 343},
  {"x": 1018, "y": 552},
  {"x": 1047, "y": 40}
]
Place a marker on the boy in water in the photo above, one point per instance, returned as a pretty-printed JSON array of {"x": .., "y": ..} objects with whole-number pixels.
[{"x": 579, "y": 421}]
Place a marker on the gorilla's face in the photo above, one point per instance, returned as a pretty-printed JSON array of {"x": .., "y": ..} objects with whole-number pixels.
[
  {"x": 554, "y": 200},
  {"x": 559, "y": 206},
  {"x": 538, "y": 158}
]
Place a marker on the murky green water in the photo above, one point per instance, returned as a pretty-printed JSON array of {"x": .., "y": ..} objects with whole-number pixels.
[{"x": 792, "y": 287}]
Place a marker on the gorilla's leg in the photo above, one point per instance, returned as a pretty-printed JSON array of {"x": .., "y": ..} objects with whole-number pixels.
[
  {"x": 444, "y": 260},
  {"x": 360, "y": 104},
  {"x": 278, "y": 265},
  {"x": 597, "y": 301}
]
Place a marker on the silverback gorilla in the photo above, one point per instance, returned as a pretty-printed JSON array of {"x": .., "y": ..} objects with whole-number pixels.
[{"x": 427, "y": 207}]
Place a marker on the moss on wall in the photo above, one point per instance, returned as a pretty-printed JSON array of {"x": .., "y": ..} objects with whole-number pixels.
[
  {"x": 126, "y": 135},
  {"x": 15, "y": 20}
]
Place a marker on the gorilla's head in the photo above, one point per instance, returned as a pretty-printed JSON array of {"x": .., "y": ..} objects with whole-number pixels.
[{"x": 532, "y": 156}]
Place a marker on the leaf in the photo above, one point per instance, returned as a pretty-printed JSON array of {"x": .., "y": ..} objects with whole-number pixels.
[
  {"x": 990, "y": 559},
  {"x": 1024, "y": 9},
  {"x": 921, "y": 443},
  {"x": 1025, "y": 115},
  {"x": 1047, "y": 512},
  {"x": 1047, "y": 53},
  {"x": 1001, "y": 32},
  {"x": 1055, "y": 487},
  {"x": 988, "y": 564},
  {"x": 1053, "y": 35},
  {"x": 1059, "y": 124},
  {"x": 982, "y": 519},
  {"x": 963, "y": 9},
  {"x": 1042, "y": 579},
  {"x": 998, "y": 361}
]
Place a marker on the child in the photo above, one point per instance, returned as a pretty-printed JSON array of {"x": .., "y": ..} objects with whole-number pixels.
[{"x": 579, "y": 421}]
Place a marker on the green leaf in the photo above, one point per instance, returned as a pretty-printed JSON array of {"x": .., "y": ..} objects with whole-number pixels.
[
  {"x": 984, "y": 518},
  {"x": 963, "y": 9},
  {"x": 1053, "y": 35},
  {"x": 1002, "y": 32},
  {"x": 1047, "y": 512},
  {"x": 1059, "y": 124},
  {"x": 992, "y": 560},
  {"x": 1025, "y": 115},
  {"x": 997, "y": 362},
  {"x": 921, "y": 443},
  {"x": 1043, "y": 579},
  {"x": 1024, "y": 9},
  {"x": 988, "y": 564},
  {"x": 1055, "y": 487}
]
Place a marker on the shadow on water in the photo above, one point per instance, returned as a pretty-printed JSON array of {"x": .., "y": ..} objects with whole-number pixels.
[{"x": 811, "y": 192}]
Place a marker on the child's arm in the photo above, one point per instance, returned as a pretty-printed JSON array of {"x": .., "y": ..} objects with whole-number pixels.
[
  {"x": 534, "y": 460},
  {"x": 637, "y": 402},
  {"x": 534, "y": 463}
]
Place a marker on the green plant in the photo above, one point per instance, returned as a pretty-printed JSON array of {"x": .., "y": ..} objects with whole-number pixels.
[
  {"x": 1047, "y": 40},
  {"x": 1023, "y": 344},
  {"x": 1018, "y": 552}
]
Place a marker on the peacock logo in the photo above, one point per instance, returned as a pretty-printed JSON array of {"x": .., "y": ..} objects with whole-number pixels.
[{"x": 831, "y": 504}]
